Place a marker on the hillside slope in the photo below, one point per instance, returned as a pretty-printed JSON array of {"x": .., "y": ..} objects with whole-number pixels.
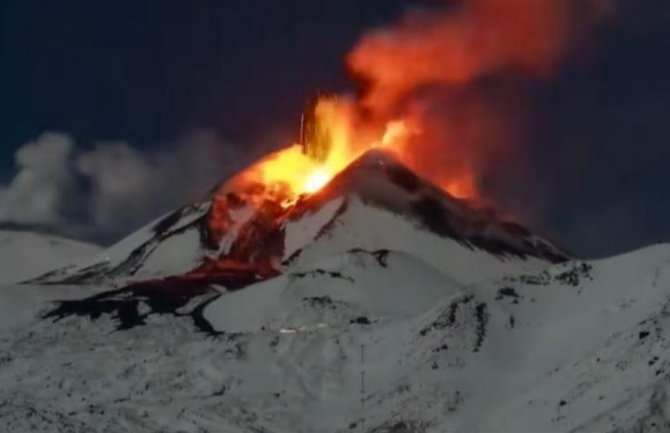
[
  {"x": 580, "y": 346},
  {"x": 25, "y": 254}
]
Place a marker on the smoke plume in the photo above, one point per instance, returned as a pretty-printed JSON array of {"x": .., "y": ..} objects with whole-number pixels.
[
  {"x": 458, "y": 73},
  {"x": 102, "y": 192}
]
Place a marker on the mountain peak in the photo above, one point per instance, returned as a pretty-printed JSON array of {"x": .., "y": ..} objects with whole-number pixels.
[
  {"x": 376, "y": 203},
  {"x": 381, "y": 180}
]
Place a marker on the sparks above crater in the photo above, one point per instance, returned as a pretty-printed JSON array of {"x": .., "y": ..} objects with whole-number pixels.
[{"x": 334, "y": 133}]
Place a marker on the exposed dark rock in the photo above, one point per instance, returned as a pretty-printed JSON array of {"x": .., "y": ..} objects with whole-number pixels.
[
  {"x": 166, "y": 223},
  {"x": 507, "y": 292},
  {"x": 163, "y": 296},
  {"x": 516, "y": 228},
  {"x": 362, "y": 320},
  {"x": 541, "y": 279},
  {"x": 433, "y": 216},
  {"x": 320, "y": 301},
  {"x": 573, "y": 276},
  {"x": 381, "y": 256},
  {"x": 447, "y": 317},
  {"x": 317, "y": 272},
  {"x": 292, "y": 257},
  {"x": 482, "y": 320},
  {"x": 403, "y": 177},
  {"x": 401, "y": 427}
]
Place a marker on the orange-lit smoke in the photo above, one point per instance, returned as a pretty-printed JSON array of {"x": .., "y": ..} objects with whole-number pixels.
[
  {"x": 460, "y": 43},
  {"x": 441, "y": 91},
  {"x": 454, "y": 72}
]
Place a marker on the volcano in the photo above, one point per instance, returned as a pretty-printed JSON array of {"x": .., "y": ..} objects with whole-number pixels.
[
  {"x": 237, "y": 236},
  {"x": 354, "y": 281},
  {"x": 378, "y": 303}
]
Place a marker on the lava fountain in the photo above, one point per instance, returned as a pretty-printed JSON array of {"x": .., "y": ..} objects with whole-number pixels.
[{"x": 334, "y": 132}]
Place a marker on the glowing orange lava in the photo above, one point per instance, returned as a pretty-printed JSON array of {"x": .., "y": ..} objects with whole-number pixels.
[
  {"x": 343, "y": 137},
  {"x": 317, "y": 180}
]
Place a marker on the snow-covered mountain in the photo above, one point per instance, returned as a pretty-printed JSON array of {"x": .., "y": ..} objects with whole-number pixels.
[
  {"x": 379, "y": 304},
  {"x": 25, "y": 254}
]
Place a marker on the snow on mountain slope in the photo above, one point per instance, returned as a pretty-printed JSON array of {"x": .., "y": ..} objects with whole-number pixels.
[
  {"x": 169, "y": 245},
  {"x": 362, "y": 226},
  {"x": 601, "y": 342},
  {"x": 373, "y": 285},
  {"x": 25, "y": 254},
  {"x": 579, "y": 346}
]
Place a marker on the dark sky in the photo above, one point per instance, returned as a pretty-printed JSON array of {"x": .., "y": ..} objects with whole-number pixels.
[{"x": 146, "y": 72}]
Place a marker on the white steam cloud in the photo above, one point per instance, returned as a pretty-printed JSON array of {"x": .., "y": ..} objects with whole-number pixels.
[
  {"x": 103, "y": 192},
  {"x": 35, "y": 194}
]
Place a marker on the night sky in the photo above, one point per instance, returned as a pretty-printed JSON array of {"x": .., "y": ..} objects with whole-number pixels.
[{"x": 147, "y": 73}]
